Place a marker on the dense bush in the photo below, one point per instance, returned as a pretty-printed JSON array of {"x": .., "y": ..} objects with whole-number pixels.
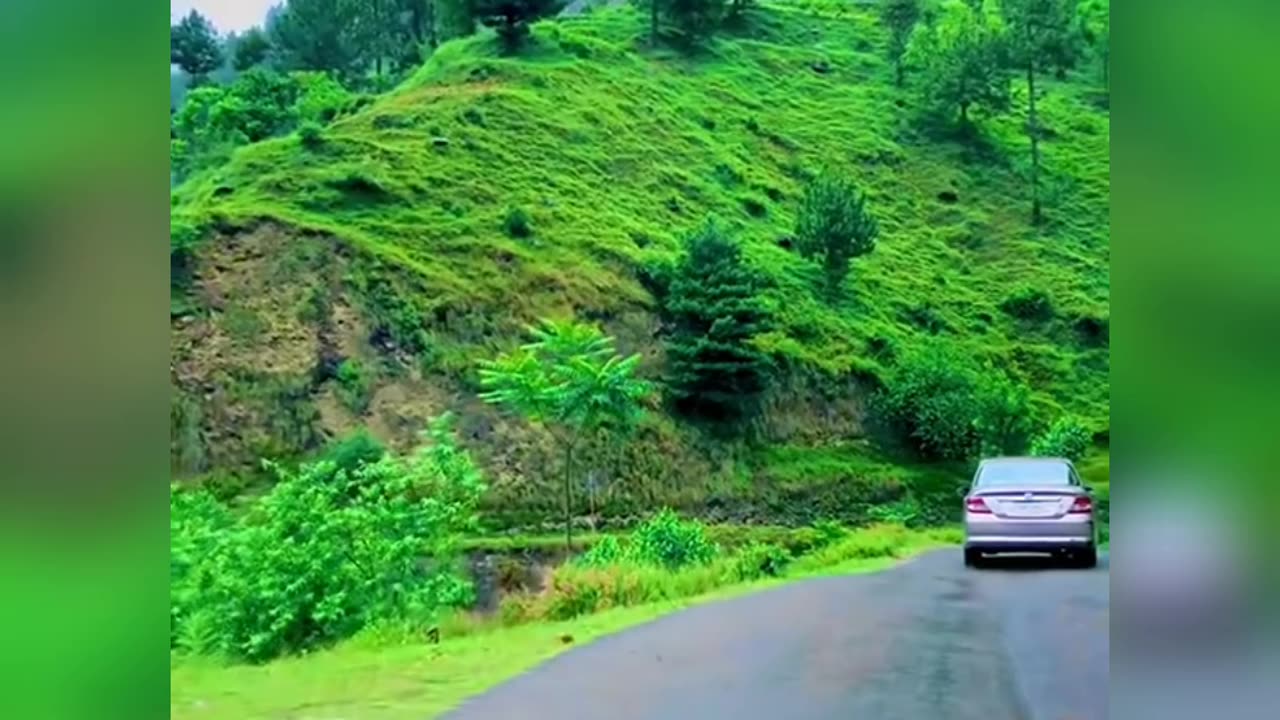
[
  {"x": 670, "y": 542},
  {"x": 1067, "y": 437},
  {"x": 258, "y": 105},
  {"x": 324, "y": 554},
  {"x": 1028, "y": 303},
  {"x": 516, "y": 223},
  {"x": 760, "y": 560},
  {"x": 931, "y": 399},
  {"x": 1004, "y": 414},
  {"x": 355, "y": 387},
  {"x": 946, "y": 408}
]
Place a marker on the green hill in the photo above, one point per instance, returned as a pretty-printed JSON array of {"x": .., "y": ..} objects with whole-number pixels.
[{"x": 356, "y": 281}]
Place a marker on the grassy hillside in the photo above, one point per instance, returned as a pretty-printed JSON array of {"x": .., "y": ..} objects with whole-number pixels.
[{"x": 357, "y": 281}]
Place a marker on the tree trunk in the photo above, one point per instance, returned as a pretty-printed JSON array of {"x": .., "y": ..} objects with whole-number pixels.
[
  {"x": 377, "y": 66},
  {"x": 1033, "y": 130},
  {"x": 568, "y": 501}
]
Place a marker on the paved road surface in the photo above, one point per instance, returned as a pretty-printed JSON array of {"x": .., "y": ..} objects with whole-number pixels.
[{"x": 1020, "y": 640}]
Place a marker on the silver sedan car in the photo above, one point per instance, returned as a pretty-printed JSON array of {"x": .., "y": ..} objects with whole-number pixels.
[{"x": 1024, "y": 504}]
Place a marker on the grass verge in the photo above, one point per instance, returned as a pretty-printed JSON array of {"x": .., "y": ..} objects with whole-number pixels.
[{"x": 366, "y": 679}]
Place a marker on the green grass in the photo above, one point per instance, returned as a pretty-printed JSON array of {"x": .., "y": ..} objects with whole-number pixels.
[
  {"x": 369, "y": 679},
  {"x": 612, "y": 151}
]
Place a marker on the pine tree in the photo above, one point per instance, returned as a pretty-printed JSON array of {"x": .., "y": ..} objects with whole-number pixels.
[
  {"x": 193, "y": 46},
  {"x": 1043, "y": 36},
  {"x": 900, "y": 17},
  {"x": 714, "y": 306},
  {"x": 835, "y": 226},
  {"x": 511, "y": 18}
]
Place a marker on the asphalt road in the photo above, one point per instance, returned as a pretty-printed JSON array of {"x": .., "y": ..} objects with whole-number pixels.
[{"x": 928, "y": 639}]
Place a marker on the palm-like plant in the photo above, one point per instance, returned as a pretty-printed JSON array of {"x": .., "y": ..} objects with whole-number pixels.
[{"x": 571, "y": 381}]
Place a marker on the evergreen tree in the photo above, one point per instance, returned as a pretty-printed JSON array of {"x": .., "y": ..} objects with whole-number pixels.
[
  {"x": 900, "y": 18},
  {"x": 960, "y": 54},
  {"x": 511, "y": 18},
  {"x": 835, "y": 226},
  {"x": 713, "y": 303},
  {"x": 250, "y": 49},
  {"x": 695, "y": 19},
  {"x": 317, "y": 35},
  {"x": 1042, "y": 36},
  {"x": 193, "y": 46}
]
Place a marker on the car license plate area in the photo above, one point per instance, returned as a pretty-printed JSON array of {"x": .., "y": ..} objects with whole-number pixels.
[{"x": 1030, "y": 508}]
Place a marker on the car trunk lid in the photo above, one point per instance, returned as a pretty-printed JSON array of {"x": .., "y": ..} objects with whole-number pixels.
[{"x": 1029, "y": 503}]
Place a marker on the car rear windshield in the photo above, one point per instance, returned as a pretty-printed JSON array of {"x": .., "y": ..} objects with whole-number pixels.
[{"x": 1024, "y": 473}]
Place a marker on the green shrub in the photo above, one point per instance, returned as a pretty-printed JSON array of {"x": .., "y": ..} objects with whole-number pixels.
[
  {"x": 931, "y": 400},
  {"x": 828, "y": 532},
  {"x": 1028, "y": 303},
  {"x": 1067, "y": 437},
  {"x": 354, "y": 385},
  {"x": 760, "y": 560},
  {"x": 1004, "y": 416},
  {"x": 875, "y": 542},
  {"x": 311, "y": 135},
  {"x": 606, "y": 552},
  {"x": 670, "y": 542},
  {"x": 322, "y": 555},
  {"x": 516, "y": 223},
  {"x": 903, "y": 512}
]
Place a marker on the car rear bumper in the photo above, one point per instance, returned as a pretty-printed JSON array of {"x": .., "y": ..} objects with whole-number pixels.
[
  {"x": 996, "y": 534},
  {"x": 1024, "y": 543}
]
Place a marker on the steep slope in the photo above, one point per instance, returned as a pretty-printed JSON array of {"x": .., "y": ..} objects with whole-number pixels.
[{"x": 386, "y": 247}]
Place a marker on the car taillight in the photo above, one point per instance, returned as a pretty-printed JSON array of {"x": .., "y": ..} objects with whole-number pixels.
[
  {"x": 976, "y": 505},
  {"x": 1082, "y": 504}
]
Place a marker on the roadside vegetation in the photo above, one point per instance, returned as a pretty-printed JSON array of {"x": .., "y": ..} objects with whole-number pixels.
[{"x": 690, "y": 298}]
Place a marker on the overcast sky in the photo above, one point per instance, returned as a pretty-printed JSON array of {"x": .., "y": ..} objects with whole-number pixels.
[{"x": 226, "y": 15}]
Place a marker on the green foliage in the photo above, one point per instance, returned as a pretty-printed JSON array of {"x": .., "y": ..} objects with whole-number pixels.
[
  {"x": 311, "y": 134},
  {"x": 258, "y": 105},
  {"x": 251, "y": 49},
  {"x": 713, "y": 300},
  {"x": 759, "y": 560},
  {"x": 354, "y": 451},
  {"x": 324, "y": 554},
  {"x": 606, "y": 552},
  {"x": 1094, "y": 17},
  {"x": 1067, "y": 437},
  {"x": 1043, "y": 34},
  {"x": 899, "y": 17},
  {"x": 516, "y": 223},
  {"x": 694, "y": 19},
  {"x": 668, "y": 541},
  {"x": 193, "y": 46},
  {"x": 960, "y": 59},
  {"x": 835, "y": 225},
  {"x": 511, "y": 18},
  {"x": 931, "y": 398},
  {"x": 571, "y": 380},
  {"x": 1027, "y": 302},
  {"x": 1004, "y": 419},
  {"x": 355, "y": 387}
]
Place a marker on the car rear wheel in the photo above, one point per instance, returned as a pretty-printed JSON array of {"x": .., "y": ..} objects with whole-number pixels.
[
  {"x": 972, "y": 558},
  {"x": 1085, "y": 558}
]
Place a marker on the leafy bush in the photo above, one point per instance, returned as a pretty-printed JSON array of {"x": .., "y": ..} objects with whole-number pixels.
[
  {"x": 931, "y": 399},
  {"x": 1004, "y": 414},
  {"x": 875, "y": 542},
  {"x": 354, "y": 385},
  {"x": 606, "y": 552},
  {"x": 1067, "y": 437},
  {"x": 760, "y": 560},
  {"x": 670, "y": 542},
  {"x": 1028, "y": 303},
  {"x": 828, "y": 532},
  {"x": 325, "y": 554},
  {"x": 311, "y": 135},
  {"x": 516, "y": 223},
  {"x": 835, "y": 226},
  {"x": 903, "y": 512}
]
